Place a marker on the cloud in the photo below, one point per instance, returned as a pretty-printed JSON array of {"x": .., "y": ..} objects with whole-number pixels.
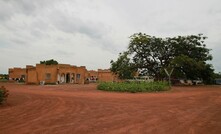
[
  {"x": 73, "y": 25},
  {"x": 92, "y": 32}
]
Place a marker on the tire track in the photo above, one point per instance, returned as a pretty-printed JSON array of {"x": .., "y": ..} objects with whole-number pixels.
[{"x": 82, "y": 109}]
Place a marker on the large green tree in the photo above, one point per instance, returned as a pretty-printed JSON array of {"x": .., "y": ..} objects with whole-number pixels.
[
  {"x": 189, "y": 68},
  {"x": 151, "y": 55},
  {"x": 190, "y": 56}
]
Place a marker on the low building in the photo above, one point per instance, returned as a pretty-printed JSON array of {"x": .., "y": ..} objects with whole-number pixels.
[
  {"x": 106, "y": 75},
  {"x": 17, "y": 73},
  {"x": 103, "y": 75},
  {"x": 92, "y": 76},
  {"x": 60, "y": 73}
]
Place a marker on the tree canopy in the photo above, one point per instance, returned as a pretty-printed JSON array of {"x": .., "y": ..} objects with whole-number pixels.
[
  {"x": 49, "y": 62},
  {"x": 123, "y": 67},
  {"x": 151, "y": 55}
]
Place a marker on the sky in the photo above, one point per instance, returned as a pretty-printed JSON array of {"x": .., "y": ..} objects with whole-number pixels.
[{"x": 91, "y": 33}]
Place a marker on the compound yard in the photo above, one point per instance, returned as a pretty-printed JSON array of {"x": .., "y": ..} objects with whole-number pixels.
[{"x": 81, "y": 109}]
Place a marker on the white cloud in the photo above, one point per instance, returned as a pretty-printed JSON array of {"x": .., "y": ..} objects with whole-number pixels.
[{"x": 92, "y": 32}]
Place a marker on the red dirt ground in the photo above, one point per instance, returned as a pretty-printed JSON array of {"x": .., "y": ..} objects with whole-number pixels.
[{"x": 81, "y": 109}]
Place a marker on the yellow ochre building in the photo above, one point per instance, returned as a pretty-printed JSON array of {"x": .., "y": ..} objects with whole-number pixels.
[{"x": 60, "y": 73}]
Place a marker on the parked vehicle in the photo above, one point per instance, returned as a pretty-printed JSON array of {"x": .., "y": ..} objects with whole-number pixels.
[
  {"x": 141, "y": 79},
  {"x": 197, "y": 82},
  {"x": 218, "y": 81},
  {"x": 186, "y": 82}
]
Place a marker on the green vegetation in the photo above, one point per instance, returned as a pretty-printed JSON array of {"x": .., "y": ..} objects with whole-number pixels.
[
  {"x": 3, "y": 80},
  {"x": 3, "y": 77},
  {"x": 123, "y": 67},
  {"x": 134, "y": 87},
  {"x": 217, "y": 75},
  {"x": 49, "y": 62},
  {"x": 151, "y": 55},
  {"x": 3, "y": 94}
]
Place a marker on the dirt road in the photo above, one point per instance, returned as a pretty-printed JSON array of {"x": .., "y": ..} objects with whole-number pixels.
[{"x": 81, "y": 109}]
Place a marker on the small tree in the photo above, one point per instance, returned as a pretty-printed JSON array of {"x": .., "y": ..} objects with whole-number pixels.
[
  {"x": 49, "y": 62},
  {"x": 3, "y": 94}
]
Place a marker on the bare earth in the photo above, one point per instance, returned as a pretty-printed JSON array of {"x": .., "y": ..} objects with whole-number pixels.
[{"x": 81, "y": 109}]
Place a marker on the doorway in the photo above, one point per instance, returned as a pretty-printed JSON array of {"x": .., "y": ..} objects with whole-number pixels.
[{"x": 68, "y": 78}]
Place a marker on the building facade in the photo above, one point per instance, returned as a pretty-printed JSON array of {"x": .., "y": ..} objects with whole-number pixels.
[
  {"x": 17, "y": 73},
  {"x": 58, "y": 74},
  {"x": 61, "y": 73},
  {"x": 103, "y": 75}
]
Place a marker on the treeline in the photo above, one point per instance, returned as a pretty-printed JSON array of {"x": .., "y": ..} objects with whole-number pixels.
[{"x": 4, "y": 76}]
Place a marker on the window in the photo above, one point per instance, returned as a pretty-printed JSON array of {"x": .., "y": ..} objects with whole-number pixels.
[
  {"x": 48, "y": 76},
  {"x": 78, "y": 76}
]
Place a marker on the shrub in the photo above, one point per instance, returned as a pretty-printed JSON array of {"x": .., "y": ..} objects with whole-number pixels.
[
  {"x": 3, "y": 94},
  {"x": 134, "y": 87}
]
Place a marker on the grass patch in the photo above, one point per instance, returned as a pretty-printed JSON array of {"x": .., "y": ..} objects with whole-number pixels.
[
  {"x": 3, "y": 80},
  {"x": 134, "y": 87}
]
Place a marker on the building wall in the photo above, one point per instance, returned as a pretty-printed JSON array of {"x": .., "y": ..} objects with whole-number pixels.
[
  {"x": 92, "y": 73},
  {"x": 31, "y": 76},
  {"x": 61, "y": 73},
  {"x": 66, "y": 73},
  {"x": 81, "y": 75},
  {"x": 106, "y": 76},
  {"x": 47, "y": 73},
  {"x": 17, "y": 73}
]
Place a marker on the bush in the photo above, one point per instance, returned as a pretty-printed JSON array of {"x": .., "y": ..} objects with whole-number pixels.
[
  {"x": 3, "y": 94},
  {"x": 134, "y": 87}
]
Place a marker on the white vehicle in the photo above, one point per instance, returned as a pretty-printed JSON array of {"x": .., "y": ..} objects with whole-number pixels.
[
  {"x": 142, "y": 79},
  {"x": 218, "y": 81},
  {"x": 197, "y": 82}
]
